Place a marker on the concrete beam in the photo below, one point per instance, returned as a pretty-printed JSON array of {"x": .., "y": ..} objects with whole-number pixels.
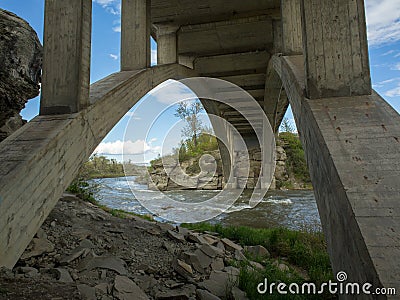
[
  {"x": 248, "y": 81},
  {"x": 291, "y": 27},
  {"x": 135, "y": 34},
  {"x": 166, "y": 44},
  {"x": 335, "y": 48},
  {"x": 278, "y": 36},
  {"x": 275, "y": 100},
  {"x": 40, "y": 160},
  {"x": 242, "y": 35},
  {"x": 352, "y": 150},
  {"x": 232, "y": 64},
  {"x": 189, "y": 12},
  {"x": 66, "y": 64}
]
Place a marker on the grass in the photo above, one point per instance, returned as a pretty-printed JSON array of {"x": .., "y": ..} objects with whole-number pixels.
[{"x": 304, "y": 249}]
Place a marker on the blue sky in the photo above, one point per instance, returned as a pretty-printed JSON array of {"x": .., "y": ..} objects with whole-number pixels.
[{"x": 383, "y": 19}]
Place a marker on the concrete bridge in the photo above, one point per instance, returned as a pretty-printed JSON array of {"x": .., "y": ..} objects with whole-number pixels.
[{"x": 311, "y": 54}]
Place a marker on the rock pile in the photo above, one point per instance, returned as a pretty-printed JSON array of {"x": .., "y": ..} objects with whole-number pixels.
[{"x": 83, "y": 252}]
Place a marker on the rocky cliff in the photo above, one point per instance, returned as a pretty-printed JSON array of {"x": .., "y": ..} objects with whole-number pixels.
[
  {"x": 20, "y": 69},
  {"x": 285, "y": 175},
  {"x": 161, "y": 181}
]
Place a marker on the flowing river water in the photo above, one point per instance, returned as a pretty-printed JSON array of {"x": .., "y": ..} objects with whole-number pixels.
[{"x": 291, "y": 209}]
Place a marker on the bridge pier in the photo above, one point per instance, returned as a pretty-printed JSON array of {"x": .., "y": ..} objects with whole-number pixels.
[
  {"x": 292, "y": 41},
  {"x": 166, "y": 45},
  {"x": 135, "y": 34},
  {"x": 66, "y": 63},
  {"x": 335, "y": 49}
]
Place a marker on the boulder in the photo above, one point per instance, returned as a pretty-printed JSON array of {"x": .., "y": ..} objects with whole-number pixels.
[
  {"x": 20, "y": 69},
  {"x": 38, "y": 247},
  {"x": 257, "y": 251},
  {"x": 206, "y": 295},
  {"x": 231, "y": 246},
  {"x": 87, "y": 292},
  {"x": 126, "y": 289},
  {"x": 103, "y": 262}
]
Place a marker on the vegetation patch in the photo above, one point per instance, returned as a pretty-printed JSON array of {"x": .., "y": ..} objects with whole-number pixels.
[
  {"x": 305, "y": 250},
  {"x": 296, "y": 162}
]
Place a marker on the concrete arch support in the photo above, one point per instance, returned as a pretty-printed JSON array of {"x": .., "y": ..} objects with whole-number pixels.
[{"x": 353, "y": 154}]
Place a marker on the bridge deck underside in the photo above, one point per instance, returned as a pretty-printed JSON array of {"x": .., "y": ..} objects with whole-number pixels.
[{"x": 231, "y": 40}]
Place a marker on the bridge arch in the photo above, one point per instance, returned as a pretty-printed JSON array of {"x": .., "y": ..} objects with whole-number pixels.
[{"x": 350, "y": 134}]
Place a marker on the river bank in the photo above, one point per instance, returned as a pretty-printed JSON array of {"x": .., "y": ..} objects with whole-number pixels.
[{"x": 84, "y": 252}]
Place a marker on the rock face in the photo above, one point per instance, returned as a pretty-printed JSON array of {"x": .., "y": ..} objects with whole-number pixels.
[
  {"x": 161, "y": 181},
  {"x": 20, "y": 69}
]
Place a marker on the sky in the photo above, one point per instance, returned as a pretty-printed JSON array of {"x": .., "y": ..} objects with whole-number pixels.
[{"x": 383, "y": 26}]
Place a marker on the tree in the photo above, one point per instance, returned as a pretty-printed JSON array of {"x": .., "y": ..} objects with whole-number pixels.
[
  {"x": 286, "y": 126},
  {"x": 188, "y": 111}
]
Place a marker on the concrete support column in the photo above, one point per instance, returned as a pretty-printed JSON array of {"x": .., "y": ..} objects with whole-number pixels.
[
  {"x": 335, "y": 48},
  {"x": 66, "y": 65},
  {"x": 291, "y": 27},
  {"x": 166, "y": 45},
  {"x": 135, "y": 34}
]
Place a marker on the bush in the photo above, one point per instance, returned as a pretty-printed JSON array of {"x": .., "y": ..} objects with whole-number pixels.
[{"x": 296, "y": 161}]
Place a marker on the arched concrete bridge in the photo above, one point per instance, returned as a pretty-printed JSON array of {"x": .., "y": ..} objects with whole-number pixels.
[{"x": 311, "y": 53}]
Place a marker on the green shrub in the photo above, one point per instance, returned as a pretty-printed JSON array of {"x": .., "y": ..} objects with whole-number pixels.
[{"x": 296, "y": 161}]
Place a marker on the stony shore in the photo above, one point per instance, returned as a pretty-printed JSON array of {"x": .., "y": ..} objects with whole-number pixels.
[{"x": 83, "y": 252}]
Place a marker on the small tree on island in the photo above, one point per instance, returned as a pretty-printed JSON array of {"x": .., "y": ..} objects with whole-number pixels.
[
  {"x": 287, "y": 126},
  {"x": 188, "y": 111}
]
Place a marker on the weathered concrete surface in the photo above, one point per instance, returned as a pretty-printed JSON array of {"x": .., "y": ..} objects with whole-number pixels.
[
  {"x": 20, "y": 66},
  {"x": 353, "y": 152},
  {"x": 335, "y": 48},
  {"x": 135, "y": 34},
  {"x": 292, "y": 37},
  {"x": 49, "y": 150},
  {"x": 167, "y": 45},
  {"x": 66, "y": 65}
]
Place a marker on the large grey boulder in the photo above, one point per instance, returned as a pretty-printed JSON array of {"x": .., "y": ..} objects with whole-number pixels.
[{"x": 20, "y": 69}]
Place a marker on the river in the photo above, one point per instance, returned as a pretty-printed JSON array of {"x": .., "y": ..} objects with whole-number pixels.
[{"x": 290, "y": 209}]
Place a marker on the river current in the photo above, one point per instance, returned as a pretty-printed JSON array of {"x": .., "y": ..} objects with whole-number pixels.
[{"x": 290, "y": 209}]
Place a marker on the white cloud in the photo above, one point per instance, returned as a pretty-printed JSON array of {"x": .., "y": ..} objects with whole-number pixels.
[
  {"x": 111, "y": 6},
  {"x": 133, "y": 115},
  {"x": 113, "y": 56},
  {"x": 388, "y": 53},
  {"x": 385, "y": 82},
  {"x": 396, "y": 67},
  {"x": 393, "y": 92},
  {"x": 153, "y": 57},
  {"x": 127, "y": 147},
  {"x": 171, "y": 91},
  {"x": 383, "y": 21},
  {"x": 117, "y": 28}
]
